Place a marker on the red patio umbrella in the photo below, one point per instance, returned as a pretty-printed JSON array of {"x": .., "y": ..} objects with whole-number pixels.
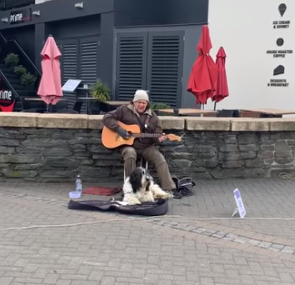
[
  {"x": 50, "y": 85},
  {"x": 203, "y": 77},
  {"x": 221, "y": 87}
]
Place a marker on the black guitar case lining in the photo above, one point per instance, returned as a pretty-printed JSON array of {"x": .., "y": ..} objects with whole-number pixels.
[{"x": 157, "y": 208}]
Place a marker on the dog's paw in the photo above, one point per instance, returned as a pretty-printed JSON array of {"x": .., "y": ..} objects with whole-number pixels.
[
  {"x": 133, "y": 201},
  {"x": 168, "y": 195},
  {"x": 163, "y": 195},
  {"x": 147, "y": 198}
]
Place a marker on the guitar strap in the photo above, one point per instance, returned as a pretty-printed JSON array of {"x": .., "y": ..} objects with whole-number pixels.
[{"x": 144, "y": 126}]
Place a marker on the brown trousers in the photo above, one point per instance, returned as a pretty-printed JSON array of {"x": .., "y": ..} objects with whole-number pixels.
[{"x": 151, "y": 155}]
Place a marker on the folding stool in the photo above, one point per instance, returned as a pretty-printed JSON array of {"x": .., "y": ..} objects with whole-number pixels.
[{"x": 143, "y": 163}]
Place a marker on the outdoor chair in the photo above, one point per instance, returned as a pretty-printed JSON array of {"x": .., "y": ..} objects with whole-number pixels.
[
  {"x": 142, "y": 163},
  {"x": 77, "y": 106},
  {"x": 32, "y": 107}
]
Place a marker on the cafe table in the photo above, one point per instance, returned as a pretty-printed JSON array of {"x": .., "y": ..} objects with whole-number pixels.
[{"x": 188, "y": 112}]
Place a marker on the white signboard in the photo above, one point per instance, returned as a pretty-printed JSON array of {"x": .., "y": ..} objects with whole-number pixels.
[
  {"x": 240, "y": 205},
  {"x": 259, "y": 40},
  {"x": 71, "y": 85}
]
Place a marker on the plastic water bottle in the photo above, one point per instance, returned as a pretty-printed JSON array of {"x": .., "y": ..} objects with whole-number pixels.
[{"x": 78, "y": 184}]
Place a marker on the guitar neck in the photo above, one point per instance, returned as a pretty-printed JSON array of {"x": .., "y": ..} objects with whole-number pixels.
[{"x": 146, "y": 135}]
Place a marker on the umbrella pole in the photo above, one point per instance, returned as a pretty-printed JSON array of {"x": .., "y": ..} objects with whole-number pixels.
[
  {"x": 214, "y": 105},
  {"x": 48, "y": 108}
]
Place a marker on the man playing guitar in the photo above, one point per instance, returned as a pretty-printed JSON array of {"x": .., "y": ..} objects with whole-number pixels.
[{"x": 138, "y": 112}]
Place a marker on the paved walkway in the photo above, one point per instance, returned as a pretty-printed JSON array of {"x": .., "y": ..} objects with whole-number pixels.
[{"x": 197, "y": 242}]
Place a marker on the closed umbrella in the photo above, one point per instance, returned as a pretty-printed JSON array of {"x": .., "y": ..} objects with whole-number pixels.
[
  {"x": 221, "y": 87},
  {"x": 203, "y": 77},
  {"x": 50, "y": 89}
]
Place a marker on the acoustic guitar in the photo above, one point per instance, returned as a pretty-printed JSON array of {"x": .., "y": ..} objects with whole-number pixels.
[{"x": 111, "y": 139}]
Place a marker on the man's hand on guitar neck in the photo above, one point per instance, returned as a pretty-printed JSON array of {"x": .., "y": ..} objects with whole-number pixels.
[{"x": 123, "y": 133}]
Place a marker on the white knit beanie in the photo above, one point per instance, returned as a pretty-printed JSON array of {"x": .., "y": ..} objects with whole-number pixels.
[{"x": 141, "y": 95}]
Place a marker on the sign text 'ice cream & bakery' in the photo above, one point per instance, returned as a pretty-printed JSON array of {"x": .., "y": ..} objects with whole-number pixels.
[{"x": 281, "y": 24}]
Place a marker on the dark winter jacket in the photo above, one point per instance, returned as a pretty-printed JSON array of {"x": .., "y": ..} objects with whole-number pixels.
[{"x": 128, "y": 116}]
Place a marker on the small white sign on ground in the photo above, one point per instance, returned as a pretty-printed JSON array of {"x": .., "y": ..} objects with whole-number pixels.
[{"x": 240, "y": 205}]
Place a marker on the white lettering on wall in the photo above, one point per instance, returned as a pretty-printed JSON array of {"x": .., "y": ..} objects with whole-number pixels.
[
  {"x": 5, "y": 95},
  {"x": 16, "y": 18}
]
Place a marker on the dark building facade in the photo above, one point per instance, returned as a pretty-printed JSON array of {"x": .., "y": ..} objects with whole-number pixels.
[{"x": 129, "y": 44}]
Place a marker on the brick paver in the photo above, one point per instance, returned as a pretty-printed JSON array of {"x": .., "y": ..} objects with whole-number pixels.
[{"x": 197, "y": 242}]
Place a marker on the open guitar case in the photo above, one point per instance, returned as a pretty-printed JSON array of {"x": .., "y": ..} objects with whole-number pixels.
[{"x": 157, "y": 208}]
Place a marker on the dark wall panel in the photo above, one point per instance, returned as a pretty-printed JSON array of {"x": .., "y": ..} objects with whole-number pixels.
[
  {"x": 185, "y": 11},
  {"x": 58, "y": 10},
  {"x": 25, "y": 36},
  {"x": 138, "y": 12},
  {"x": 160, "y": 12},
  {"x": 80, "y": 27},
  {"x": 63, "y": 9},
  {"x": 105, "y": 58}
]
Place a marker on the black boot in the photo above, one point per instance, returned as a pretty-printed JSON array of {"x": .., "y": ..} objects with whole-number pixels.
[{"x": 176, "y": 194}]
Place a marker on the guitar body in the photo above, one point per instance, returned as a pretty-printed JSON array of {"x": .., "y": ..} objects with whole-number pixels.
[{"x": 111, "y": 139}]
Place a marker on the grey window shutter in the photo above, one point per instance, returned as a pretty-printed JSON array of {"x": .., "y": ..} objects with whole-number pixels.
[
  {"x": 164, "y": 73},
  {"x": 69, "y": 62},
  {"x": 59, "y": 45},
  {"x": 131, "y": 64},
  {"x": 88, "y": 60}
]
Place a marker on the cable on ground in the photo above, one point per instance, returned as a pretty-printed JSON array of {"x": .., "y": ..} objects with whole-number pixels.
[{"x": 287, "y": 176}]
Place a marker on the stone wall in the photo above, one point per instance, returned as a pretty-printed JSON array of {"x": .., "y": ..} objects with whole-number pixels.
[
  {"x": 54, "y": 148},
  {"x": 235, "y": 154}
]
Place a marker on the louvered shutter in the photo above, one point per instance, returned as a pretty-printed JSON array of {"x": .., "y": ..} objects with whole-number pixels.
[
  {"x": 89, "y": 60},
  {"x": 69, "y": 65},
  {"x": 164, "y": 73},
  {"x": 69, "y": 61},
  {"x": 59, "y": 45},
  {"x": 131, "y": 64}
]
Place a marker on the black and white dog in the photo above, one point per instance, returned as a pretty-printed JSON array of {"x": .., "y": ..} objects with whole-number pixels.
[{"x": 140, "y": 187}]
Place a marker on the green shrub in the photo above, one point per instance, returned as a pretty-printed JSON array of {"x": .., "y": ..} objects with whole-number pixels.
[
  {"x": 100, "y": 91},
  {"x": 20, "y": 70},
  {"x": 28, "y": 79},
  {"x": 159, "y": 105},
  {"x": 11, "y": 59}
]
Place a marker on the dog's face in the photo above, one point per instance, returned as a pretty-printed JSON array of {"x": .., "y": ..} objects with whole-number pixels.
[{"x": 140, "y": 178}]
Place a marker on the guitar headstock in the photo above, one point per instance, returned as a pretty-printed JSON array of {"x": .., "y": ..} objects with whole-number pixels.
[{"x": 172, "y": 137}]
